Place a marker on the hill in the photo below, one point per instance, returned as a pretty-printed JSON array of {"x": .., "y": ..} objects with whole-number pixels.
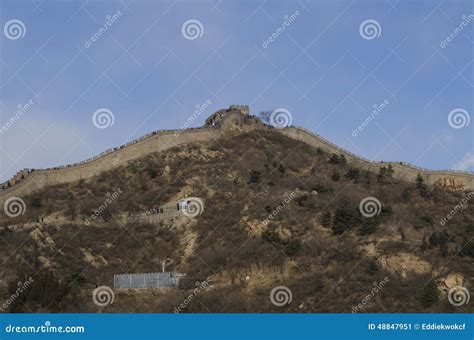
[{"x": 281, "y": 209}]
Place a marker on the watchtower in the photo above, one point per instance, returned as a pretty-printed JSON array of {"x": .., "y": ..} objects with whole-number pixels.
[{"x": 234, "y": 110}]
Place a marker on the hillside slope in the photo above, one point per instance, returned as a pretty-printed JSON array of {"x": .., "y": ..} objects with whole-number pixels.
[
  {"x": 233, "y": 120},
  {"x": 277, "y": 213}
]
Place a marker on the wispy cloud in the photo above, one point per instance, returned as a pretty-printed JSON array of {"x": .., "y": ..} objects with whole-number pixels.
[{"x": 467, "y": 162}]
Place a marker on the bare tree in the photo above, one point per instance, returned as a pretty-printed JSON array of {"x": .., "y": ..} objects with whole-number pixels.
[{"x": 265, "y": 116}]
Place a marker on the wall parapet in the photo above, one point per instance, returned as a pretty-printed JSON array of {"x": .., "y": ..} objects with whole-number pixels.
[
  {"x": 407, "y": 164},
  {"x": 50, "y": 175}
]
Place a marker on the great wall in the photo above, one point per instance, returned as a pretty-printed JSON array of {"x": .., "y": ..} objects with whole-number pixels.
[{"x": 232, "y": 121}]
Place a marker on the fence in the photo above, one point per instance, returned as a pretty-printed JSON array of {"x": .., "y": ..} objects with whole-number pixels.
[{"x": 148, "y": 280}]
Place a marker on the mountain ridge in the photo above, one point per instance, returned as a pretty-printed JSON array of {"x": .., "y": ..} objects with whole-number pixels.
[{"x": 233, "y": 121}]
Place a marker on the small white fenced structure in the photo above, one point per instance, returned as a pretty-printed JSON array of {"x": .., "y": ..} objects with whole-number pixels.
[{"x": 147, "y": 280}]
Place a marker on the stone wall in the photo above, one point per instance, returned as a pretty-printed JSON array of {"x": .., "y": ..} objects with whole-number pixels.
[
  {"x": 159, "y": 142},
  {"x": 168, "y": 139},
  {"x": 407, "y": 172}
]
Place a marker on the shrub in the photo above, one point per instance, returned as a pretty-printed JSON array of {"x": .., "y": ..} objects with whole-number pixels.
[
  {"x": 152, "y": 172},
  {"x": 301, "y": 200},
  {"x": 353, "y": 174},
  {"x": 421, "y": 186},
  {"x": 281, "y": 168},
  {"x": 344, "y": 218},
  {"x": 337, "y": 159},
  {"x": 419, "y": 181},
  {"x": 386, "y": 210},
  {"x": 36, "y": 202},
  {"x": 385, "y": 174},
  {"x": 430, "y": 294},
  {"x": 342, "y": 159},
  {"x": 290, "y": 247},
  {"x": 255, "y": 176},
  {"x": 368, "y": 227},
  {"x": 406, "y": 195},
  {"x": 334, "y": 159}
]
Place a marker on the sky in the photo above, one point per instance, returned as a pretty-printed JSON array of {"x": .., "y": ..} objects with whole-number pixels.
[{"x": 388, "y": 80}]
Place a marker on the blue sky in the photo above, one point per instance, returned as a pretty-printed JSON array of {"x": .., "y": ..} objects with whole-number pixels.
[{"x": 320, "y": 67}]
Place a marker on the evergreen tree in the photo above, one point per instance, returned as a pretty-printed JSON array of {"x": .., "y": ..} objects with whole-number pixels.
[
  {"x": 368, "y": 227},
  {"x": 255, "y": 176},
  {"x": 353, "y": 174},
  {"x": 419, "y": 181},
  {"x": 334, "y": 159},
  {"x": 430, "y": 294},
  {"x": 344, "y": 218},
  {"x": 342, "y": 159}
]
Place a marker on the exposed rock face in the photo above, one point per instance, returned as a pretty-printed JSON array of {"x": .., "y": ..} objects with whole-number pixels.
[
  {"x": 403, "y": 263},
  {"x": 453, "y": 280},
  {"x": 95, "y": 261},
  {"x": 451, "y": 183}
]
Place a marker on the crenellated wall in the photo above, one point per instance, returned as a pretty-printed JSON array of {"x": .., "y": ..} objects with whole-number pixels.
[
  {"x": 167, "y": 139},
  {"x": 158, "y": 142},
  {"x": 456, "y": 180}
]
